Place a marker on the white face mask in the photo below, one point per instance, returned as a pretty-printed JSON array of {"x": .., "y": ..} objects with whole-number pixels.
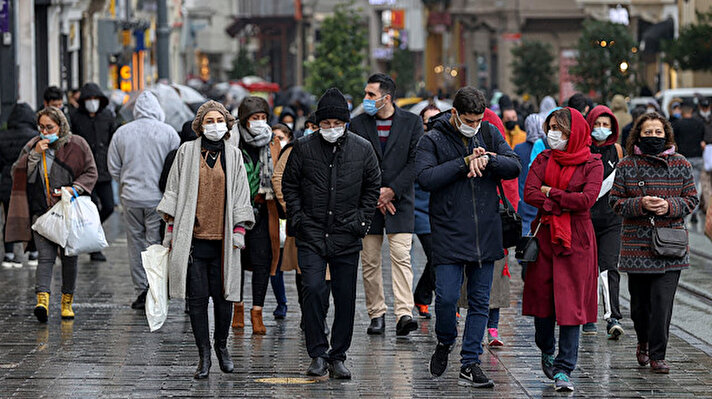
[
  {"x": 555, "y": 141},
  {"x": 258, "y": 128},
  {"x": 333, "y": 134},
  {"x": 705, "y": 114},
  {"x": 283, "y": 143},
  {"x": 92, "y": 105},
  {"x": 215, "y": 131},
  {"x": 290, "y": 125},
  {"x": 467, "y": 130}
]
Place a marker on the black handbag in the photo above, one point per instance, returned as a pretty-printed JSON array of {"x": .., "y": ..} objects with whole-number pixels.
[
  {"x": 528, "y": 247},
  {"x": 511, "y": 221},
  {"x": 667, "y": 242}
]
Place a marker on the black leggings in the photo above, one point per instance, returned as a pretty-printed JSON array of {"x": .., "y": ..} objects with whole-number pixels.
[{"x": 204, "y": 281}]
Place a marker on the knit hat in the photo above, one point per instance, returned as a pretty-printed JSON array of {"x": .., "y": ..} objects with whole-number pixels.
[
  {"x": 311, "y": 119},
  {"x": 249, "y": 106},
  {"x": 207, "y": 107},
  {"x": 332, "y": 105}
]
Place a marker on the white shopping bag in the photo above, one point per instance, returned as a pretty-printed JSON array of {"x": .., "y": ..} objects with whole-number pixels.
[
  {"x": 707, "y": 157},
  {"x": 155, "y": 262},
  {"x": 52, "y": 225},
  {"x": 84, "y": 224}
]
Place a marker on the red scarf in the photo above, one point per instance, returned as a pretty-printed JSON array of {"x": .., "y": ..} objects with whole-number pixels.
[{"x": 561, "y": 167}]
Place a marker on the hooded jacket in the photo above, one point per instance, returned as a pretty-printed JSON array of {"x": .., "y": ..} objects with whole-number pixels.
[
  {"x": 546, "y": 106},
  {"x": 97, "y": 130},
  {"x": 619, "y": 109},
  {"x": 602, "y": 214},
  {"x": 464, "y": 217},
  {"x": 21, "y": 127},
  {"x": 137, "y": 153}
]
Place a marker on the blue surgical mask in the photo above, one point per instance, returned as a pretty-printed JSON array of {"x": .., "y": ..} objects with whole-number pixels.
[
  {"x": 51, "y": 137},
  {"x": 677, "y": 115},
  {"x": 601, "y": 133},
  {"x": 369, "y": 106},
  {"x": 308, "y": 132}
]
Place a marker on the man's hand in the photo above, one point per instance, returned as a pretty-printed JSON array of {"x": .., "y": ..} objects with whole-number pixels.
[
  {"x": 389, "y": 207},
  {"x": 387, "y": 195},
  {"x": 478, "y": 165}
]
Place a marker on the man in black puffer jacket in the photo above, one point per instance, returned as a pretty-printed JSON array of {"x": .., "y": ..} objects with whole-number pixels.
[
  {"x": 331, "y": 186},
  {"x": 96, "y": 123},
  {"x": 21, "y": 127}
]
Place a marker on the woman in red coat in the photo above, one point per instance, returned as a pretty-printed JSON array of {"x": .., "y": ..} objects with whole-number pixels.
[{"x": 560, "y": 287}]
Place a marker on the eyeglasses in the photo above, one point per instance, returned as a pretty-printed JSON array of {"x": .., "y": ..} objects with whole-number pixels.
[
  {"x": 327, "y": 125},
  {"x": 46, "y": 128}
]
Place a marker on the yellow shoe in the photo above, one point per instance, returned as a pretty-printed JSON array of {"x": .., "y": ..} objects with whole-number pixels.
[
  {"x": 42, "y": 307},
  {"x": 67, "y": 312}
]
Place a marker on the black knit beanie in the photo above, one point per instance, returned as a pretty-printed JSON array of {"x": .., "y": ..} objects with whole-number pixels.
[{"x": 332, "y": 105}]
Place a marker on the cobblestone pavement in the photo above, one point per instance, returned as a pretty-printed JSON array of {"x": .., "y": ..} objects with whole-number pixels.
[{"x": 108, "y": 351}]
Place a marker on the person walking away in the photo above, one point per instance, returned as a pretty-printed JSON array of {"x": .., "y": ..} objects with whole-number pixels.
[
  {"x": 136, "y": 157},
  {"x": 260, "y": 151},
  {"x": 653, "y": 188},
  {"x": 55, "y": 160},
  {"x": 207, "y": 207},
  {"x": 704, "y": 114},
  {"x": 534, "y": 128},
  {"x": 635, "y": 114},
  {"x": 690, "y": 138},
  {"x": 394, "y": 135},
  {"x": 21, "y": 127},
  {"x": 619, "y": 108},
  {"x": 460, "y": 162},
  {"x": 331, "y": 185},
  {"x": 606, "y": 223},
  {"x": 560, "y": 286},
  {"x": 95, "y": 122},
  {"x": 425, "y": 288}
]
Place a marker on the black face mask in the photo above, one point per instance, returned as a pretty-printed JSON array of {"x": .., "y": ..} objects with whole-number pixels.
[
  {"x": 509, "y": 125},
  {"x": 652, "y": 145}
]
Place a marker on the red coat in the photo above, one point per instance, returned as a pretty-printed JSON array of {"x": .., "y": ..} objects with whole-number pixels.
[{"x": 564, "y": 281}]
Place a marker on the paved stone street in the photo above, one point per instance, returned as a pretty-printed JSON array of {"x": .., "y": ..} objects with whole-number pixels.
[{"x": 108, "y": 351}]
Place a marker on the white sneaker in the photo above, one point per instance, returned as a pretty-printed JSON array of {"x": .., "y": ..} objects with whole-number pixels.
[{"x": 10, "y": 263}]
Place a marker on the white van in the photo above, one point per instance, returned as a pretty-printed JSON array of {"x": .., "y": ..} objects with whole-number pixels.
[{"x": 693, "y": 93}]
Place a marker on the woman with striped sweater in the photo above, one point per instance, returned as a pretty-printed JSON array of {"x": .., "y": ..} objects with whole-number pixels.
[{"x": 653, "y": 188}]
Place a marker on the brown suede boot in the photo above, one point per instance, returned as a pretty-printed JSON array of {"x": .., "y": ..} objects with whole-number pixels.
[
  {"x": 238, "y": 315},
  {"x": 258, "y": 327}
]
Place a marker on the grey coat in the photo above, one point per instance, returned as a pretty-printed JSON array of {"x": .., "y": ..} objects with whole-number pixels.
[{"x": 179, "y": 201}]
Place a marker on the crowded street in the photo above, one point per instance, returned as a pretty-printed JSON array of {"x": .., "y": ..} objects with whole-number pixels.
[
  {"x": 109, "y": 352},
  {"x": 355, "y": 198}
]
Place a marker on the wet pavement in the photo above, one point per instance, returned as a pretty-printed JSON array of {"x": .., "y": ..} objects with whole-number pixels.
[{"x": 108, "y": 351}]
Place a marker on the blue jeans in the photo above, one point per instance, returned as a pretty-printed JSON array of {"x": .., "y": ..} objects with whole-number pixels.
[
  {"x": 448, "y": 281},
  {"x": 565, "y": 360},
  {"x": 493, "y": 320}
]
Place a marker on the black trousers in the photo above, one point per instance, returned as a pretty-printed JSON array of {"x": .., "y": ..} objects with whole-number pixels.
[
  {"x": 103, "y": 197},
  {"x": 608, "y": 239},
  {"x": 204, "y": 281},
  {"x": 344, "y": 270},
  {"x": 651, "y": 300},
  {"x": 425, "y": 288}
]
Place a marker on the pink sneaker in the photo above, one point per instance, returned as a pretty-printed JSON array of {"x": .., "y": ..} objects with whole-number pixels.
[{"x": 493, "y": 337}]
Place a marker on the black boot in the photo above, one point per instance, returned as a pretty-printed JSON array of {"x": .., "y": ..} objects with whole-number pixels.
[
  {"x": 224, "y": 359},
  {"x": 204, "y": 364}
]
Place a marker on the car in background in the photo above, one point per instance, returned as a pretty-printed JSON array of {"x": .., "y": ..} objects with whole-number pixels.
[
  {"x": 665, "y": 97},
  {"x": 640, "y": 102}
]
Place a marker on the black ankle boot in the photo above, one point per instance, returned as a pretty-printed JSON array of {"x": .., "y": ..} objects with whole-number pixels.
[
  {"x": 204, "y": 364},
  {"x": 224, "y": 359}
]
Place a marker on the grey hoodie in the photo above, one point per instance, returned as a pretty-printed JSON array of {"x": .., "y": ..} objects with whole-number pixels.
[{"x": 137, "y": 152}]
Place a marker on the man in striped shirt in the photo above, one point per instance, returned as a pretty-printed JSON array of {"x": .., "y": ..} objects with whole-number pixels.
[{"x": 394, "y": 135}]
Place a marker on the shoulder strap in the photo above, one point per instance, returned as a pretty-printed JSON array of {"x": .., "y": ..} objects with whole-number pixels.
[
  {"x": 641, "y": 182},
  {"x": 619, "y": 150}
]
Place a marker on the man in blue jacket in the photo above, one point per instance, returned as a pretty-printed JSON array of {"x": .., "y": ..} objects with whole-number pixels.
[{"x": 460, "y": 163}]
